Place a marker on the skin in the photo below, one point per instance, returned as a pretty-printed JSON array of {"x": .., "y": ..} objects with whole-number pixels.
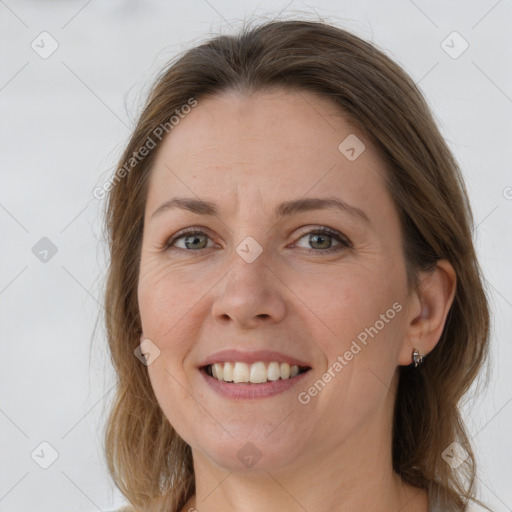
[{"x": 248, "y": 154}]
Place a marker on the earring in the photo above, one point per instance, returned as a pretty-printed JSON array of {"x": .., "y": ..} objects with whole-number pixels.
[{"x": 417, "y": 358}]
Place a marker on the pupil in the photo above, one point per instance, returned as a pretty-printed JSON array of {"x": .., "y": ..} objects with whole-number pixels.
[
  {"x": 191, "y": 240},
  {"x": 320, "y": 236}
]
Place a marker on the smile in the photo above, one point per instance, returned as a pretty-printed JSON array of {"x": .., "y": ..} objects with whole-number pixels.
[
  {"x": 238, "y": 374},
  {"x": 255, "y": 373}
]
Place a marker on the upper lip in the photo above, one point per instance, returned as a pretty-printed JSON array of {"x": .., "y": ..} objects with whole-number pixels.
[{"x": 252, "y": 357}]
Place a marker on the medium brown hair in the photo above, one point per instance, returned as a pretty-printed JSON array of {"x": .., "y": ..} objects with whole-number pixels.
[{"x": 147, "y": 459}]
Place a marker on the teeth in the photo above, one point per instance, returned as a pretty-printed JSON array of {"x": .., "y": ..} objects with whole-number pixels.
[
  {"x": 241, "y": 372},
  {"x": 273, "y": 371},
  {"x": 285, "y": 371},
  {"x": 228, "y": 372},
  {"x": 218, "y": 371},
  {"x": 255, "y": 373},
  {"x": 258, "y": 373}
]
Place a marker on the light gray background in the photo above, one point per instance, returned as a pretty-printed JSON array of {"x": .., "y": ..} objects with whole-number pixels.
[{"x": 64, "y": 121}]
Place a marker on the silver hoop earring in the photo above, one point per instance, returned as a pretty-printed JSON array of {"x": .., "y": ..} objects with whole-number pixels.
[{"x": 417, "y": 358}]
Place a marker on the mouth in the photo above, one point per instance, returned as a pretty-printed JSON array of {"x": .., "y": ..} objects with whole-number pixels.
[
  {"x": 242, "y": 375},
  {"x": 260, "y": 372}
]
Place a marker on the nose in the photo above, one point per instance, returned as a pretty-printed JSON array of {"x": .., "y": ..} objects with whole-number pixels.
[{"x": 250, "y": 295}]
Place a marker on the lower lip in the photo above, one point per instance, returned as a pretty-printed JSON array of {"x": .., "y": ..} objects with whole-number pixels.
[{"x": 247, "y": 390}]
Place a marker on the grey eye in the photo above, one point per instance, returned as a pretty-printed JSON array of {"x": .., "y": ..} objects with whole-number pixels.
[{"x": 191, "y": 241}]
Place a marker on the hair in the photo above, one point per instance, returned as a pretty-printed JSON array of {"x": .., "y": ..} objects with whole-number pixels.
[{"x": 148, "y": 460}]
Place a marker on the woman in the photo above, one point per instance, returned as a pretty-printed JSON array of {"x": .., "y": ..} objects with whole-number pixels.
[{"x": 294, "y": 306}]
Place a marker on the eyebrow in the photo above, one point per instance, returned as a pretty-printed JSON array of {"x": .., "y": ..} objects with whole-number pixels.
[{"x": 202, "y": 207}]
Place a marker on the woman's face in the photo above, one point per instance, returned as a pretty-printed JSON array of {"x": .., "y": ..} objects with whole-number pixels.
[{"x": 261, "y": 274}]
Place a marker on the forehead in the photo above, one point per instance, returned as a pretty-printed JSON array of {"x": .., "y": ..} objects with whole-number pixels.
[
  {"x": 261, "y": 126},
  {"x": 280, "y": 143}
]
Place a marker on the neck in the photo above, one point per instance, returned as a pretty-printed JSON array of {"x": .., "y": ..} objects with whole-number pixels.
[{"x": 308, "y": 490}]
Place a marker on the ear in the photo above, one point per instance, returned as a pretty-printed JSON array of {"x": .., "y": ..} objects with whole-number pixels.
[{"x": 428, "y": 309}]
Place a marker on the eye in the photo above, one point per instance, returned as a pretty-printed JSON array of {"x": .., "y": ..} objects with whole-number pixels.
[
  {"x": 191, "y": 239},
  {"x": 321, "y": 240}
]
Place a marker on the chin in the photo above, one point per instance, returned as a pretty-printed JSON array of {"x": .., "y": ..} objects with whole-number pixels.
[{"x": 253, "y": 453}]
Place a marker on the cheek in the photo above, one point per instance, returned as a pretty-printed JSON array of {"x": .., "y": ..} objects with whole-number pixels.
[
  {"x": 176, "y": 398},
  {"x": 164, "y": 298},
  {"x": 167, "y": 309},
  {"x": 359, "y": 318}
]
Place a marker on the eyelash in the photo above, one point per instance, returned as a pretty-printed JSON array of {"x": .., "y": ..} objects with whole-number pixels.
[{"x": 324, "y": 230}]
